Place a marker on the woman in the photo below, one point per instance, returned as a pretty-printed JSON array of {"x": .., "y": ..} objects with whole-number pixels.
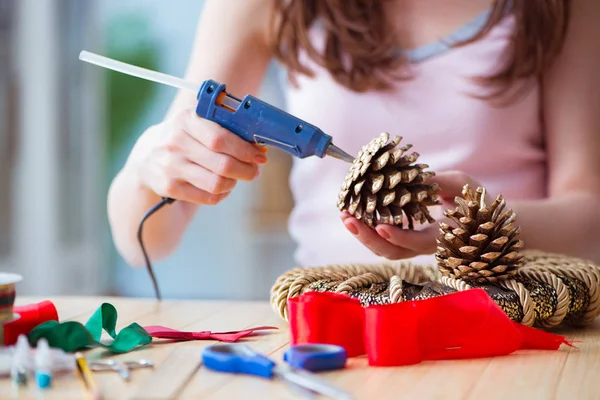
[{"x": 507, "y": 99}]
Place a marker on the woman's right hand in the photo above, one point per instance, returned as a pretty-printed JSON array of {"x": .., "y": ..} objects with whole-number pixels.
[{"x": 192, "y": 159}]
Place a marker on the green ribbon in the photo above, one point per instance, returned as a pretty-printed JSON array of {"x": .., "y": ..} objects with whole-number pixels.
[{"x": 72, "y": 336}]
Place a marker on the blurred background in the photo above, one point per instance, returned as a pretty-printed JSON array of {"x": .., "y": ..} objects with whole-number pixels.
[{"x": 66, "y": 127}]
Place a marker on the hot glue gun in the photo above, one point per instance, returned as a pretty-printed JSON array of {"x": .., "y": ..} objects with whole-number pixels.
[{"x": 250, "y": 118}]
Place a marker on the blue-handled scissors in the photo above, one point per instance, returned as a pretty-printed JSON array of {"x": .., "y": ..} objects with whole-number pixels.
[
  {"x": 316, "y": 357},
  {"x": 241, "y": 359}
]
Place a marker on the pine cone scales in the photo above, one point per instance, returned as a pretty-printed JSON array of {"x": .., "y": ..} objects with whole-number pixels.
[
  {"x": 383, "y": 184},
  {"x": 483, "y": 248}
]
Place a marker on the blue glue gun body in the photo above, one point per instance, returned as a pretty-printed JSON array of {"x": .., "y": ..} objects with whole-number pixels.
[{"x": 258, "y": 122}]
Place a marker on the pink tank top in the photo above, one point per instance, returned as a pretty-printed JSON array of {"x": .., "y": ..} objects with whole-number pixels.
[{"x": 501, "y": 147}]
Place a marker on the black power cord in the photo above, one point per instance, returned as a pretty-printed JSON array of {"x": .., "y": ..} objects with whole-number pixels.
[{"x": 151, "y": 211}]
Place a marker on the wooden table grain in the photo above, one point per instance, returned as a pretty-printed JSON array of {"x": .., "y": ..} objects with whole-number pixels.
[{"x": 565, "y": 374}]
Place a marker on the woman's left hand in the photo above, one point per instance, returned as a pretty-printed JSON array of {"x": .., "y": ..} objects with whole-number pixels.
[{"x": 396, "y": 243}]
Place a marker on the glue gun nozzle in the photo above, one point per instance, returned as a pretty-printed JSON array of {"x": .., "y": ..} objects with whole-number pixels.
[{"x": 336, "y": 152}]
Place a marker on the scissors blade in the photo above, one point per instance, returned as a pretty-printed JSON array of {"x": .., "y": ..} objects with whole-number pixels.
[
  {"x": 311, "y": 382},
  {"x": 103, "y": 365},
  {"x": 302, "y": 391},
  {"x": 139, "y": 364}
]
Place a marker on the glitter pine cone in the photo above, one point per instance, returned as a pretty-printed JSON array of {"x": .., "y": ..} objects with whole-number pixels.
[
  {"x": 484, "y": 247},
  {"x": 384, "y": 185}
]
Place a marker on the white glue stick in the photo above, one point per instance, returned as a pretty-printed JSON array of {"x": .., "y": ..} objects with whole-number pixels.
[{"x": 139, "y": 72}]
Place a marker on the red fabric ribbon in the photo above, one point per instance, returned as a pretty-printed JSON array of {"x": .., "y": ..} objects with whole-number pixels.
[
  {"x": 157, "y": 331},
  {"x": 459, "y": 325},
  {"x": 30, "y": 316}
]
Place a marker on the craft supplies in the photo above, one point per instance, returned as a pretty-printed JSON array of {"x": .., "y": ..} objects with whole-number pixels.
[
  {"x": 61, "y": 362},
  {"x": 157, "y": 331},
  {"x": 72, "y": 336},
  {"x": 241, "y": 359},
  {"x": 533, "y": 288},
  {"x": 7, "y": 301},
  {"x": 30, "y": 316},
  {"x": 7, "y": 295},
  {"x": 43, "y": 364},
  {"x": 316, "y": 357},
  {"x": 550, "y": 290},
  {"x": 87, "y": 377},
  {"x": 123, "y": 368},
  {"x": 455, "y": 326},
  {"x": 19, "y": 320}
]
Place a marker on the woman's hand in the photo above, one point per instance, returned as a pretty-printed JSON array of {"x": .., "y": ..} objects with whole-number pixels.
[
  {"x": 396, "y": 243},
  {"x": 192, "y": 159}
]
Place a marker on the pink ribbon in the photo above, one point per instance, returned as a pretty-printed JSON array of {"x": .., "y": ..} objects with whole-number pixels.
[{"x": 161, "y": 332}]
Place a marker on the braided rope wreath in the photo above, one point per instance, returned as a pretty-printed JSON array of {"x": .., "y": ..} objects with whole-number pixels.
[
  {"x": 549, "y": 289},
  {"x": 533, "y": 287}
]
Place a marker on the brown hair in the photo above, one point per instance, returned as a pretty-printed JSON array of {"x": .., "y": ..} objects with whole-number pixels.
[{"x": 358, "y": 49}]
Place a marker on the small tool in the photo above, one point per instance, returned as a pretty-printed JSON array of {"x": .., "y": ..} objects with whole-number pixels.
[
  {"x": 250, "y": 118},
  {"x": 88, "y": 377},
  {"x": 123, "y": 368},
  {"x": 241, "y": 359},
  {"x": 316, "y": 357}
]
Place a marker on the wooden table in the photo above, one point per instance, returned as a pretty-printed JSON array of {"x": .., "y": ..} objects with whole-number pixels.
[{"x": 564, "y": 374}]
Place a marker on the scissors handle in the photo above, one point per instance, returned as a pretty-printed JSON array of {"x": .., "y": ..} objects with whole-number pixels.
[
  {"x": 316, "y": 357},
  {"x": 237, "y": 359}
]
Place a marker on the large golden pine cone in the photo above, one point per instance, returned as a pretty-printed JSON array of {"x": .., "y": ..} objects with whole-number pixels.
[
  {"x": 484, "y": 247},
  {"x": 384, "y": 182}
]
